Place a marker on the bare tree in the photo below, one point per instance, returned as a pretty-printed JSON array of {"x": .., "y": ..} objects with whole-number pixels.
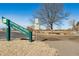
[
  {"x": 51, "y": 13},
  {"x": 72, "y": 23}
]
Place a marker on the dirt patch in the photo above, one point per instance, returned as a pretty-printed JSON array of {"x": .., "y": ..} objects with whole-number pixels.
[
  {"x": 26, "y": 48},
  {"x": 66, "y": 48}
]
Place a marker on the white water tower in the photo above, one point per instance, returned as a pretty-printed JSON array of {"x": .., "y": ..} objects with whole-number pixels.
[{"x": 36, "y": 24}]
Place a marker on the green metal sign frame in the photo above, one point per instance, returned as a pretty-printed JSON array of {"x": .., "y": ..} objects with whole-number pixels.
[{"x": 13, "y": 25}]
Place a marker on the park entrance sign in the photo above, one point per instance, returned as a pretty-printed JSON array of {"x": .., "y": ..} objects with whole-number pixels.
[{"x": 15, "y": 26}]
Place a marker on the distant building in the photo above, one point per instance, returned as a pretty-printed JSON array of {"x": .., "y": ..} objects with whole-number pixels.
[{"x": 30, "y": 28}]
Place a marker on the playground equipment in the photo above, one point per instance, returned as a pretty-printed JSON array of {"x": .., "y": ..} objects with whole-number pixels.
[{"x": 13, "y": 25}]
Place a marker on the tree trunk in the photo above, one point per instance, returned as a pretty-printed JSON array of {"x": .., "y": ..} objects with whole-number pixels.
[
  {"x": 51, "y": 25},
  {"x": 51, "y": 28}
]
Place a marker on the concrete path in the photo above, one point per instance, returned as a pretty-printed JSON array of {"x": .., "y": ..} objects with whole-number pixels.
[{"x": 66, "y": 48}]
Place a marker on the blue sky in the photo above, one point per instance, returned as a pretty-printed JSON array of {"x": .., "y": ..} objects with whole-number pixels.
[
  {"x": 19, "y": 13},
  {"x": 22, "y": 13}
]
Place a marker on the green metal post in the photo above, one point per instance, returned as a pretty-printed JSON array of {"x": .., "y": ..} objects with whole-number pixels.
[
  {"x": 8, "y": 30},
  {"x": 30, "y": 36}
]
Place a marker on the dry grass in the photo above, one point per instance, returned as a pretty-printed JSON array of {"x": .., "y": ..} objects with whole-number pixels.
[{"x": 25, "y": 48}]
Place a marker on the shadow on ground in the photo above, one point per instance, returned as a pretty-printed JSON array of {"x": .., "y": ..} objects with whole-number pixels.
[{"x": 51, "y": 39}]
